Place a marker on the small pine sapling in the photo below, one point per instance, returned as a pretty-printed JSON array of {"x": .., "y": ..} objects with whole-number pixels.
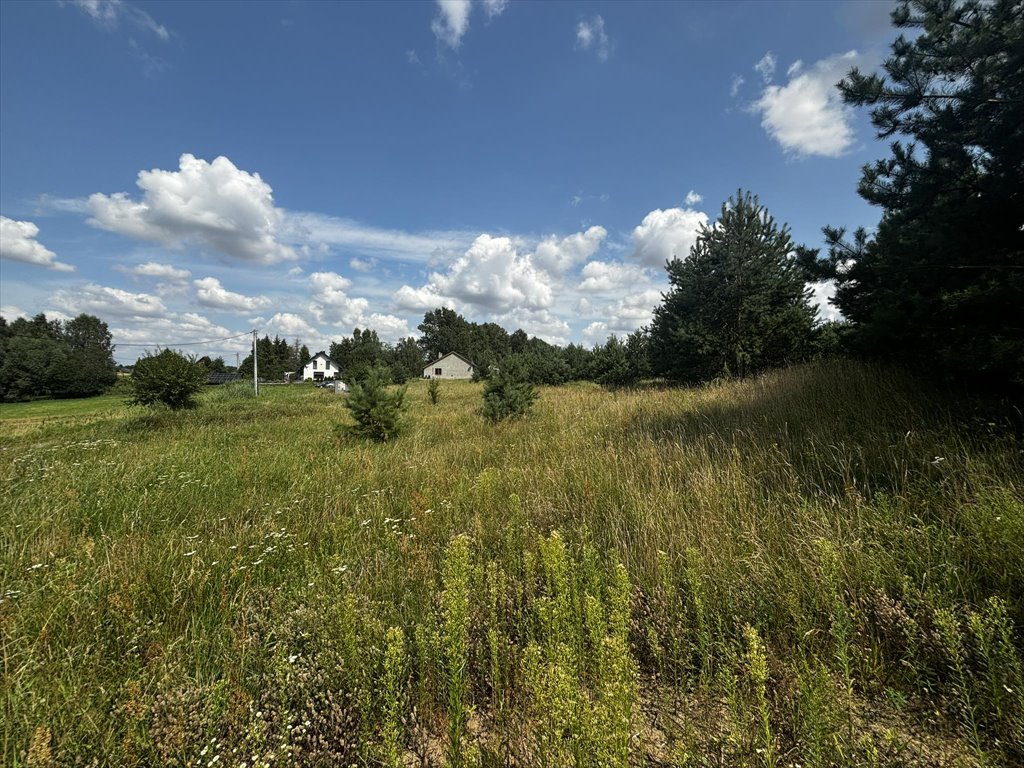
[
  {"x": 507, "y": 394},
  {"x": 376, "y": 409}
]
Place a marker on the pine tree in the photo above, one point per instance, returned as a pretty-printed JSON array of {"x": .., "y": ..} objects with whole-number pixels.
[
  {"x": 613, "y": 365},
  {"x": 942, "y": 281},
  {"x": 376, "y": 409},
  {"x": 739, "y": 303},
  {"x": 507, "y": 394}
]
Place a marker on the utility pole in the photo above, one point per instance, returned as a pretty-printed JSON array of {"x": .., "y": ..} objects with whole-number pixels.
[{"x": 255, "y": 369}]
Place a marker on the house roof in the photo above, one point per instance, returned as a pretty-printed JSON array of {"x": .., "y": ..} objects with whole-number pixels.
[
  {"x": 450, "y": 354},
  {"x": 322, "y": 354}
]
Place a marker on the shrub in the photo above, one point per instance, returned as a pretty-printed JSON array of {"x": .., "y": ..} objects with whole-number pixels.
[
  {"x": 377, "y": 411},
  {"x": 434, "y": 391},
  {"x": 166, "y": 378},
  {"x": 507, "y": 395}
]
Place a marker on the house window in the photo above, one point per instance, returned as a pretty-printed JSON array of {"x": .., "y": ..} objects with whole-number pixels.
[
  {"x": 314, "y": 365},
  {"x": 437, "y": 371}
]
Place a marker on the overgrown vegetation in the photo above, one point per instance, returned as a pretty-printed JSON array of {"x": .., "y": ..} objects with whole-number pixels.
[
  {"x": 166, "y": 378},
  {"x": 819, "y": 566}
]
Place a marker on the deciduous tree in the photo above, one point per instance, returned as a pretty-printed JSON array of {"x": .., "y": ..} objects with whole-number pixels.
[{"x": 166, "y": 378}]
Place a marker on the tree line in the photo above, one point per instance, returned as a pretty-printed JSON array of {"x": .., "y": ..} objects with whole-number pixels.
[{"x": 53, "y": 358}]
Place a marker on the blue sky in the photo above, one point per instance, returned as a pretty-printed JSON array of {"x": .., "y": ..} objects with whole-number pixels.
[{"x": 188, "y": 171}]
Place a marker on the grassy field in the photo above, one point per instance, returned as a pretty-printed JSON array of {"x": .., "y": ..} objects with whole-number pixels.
[
  {"x": 57, "y": 409},
  {"x": 823, "y": 566}
]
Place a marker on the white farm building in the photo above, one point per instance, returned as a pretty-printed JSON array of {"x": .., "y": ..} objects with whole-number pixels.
[
  {"x": 319, "y": 367},
  {"x": 450, "y": 366}
]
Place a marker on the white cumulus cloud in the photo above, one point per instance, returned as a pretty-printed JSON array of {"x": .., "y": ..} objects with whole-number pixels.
[
  {"x": 492, "y": 274},
  {"x": 556, "y": 255},
  {"x": 452, "y": 21},
  {"x": 611, "y": 276},
  {"x": 424, "y": 299},
  {"x": 216, "y": 205},
  {"x": 667, "y": 234},
  {"x": 330, "y": 304},
  {"x": 624, "y": 316},
  {"x": 290, "y": 325},
  {"x": 210, "y": 293},
  {"x": 18, "y": 243},
  {"x": 692, "y": 198},
  {"x": 807, "y": 115}
]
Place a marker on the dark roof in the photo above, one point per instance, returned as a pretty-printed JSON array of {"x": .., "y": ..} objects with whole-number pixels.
[
  {"x": 447, "y": 354},
  {"x": 322, "y": 354}
]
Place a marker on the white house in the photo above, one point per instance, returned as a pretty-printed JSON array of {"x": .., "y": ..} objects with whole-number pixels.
[
  {"x": 319, "y": 367},
  {"x": 450, "y": 366}
]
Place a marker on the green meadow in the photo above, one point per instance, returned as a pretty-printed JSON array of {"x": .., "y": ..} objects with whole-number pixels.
[{"x": 821, "y": 566}]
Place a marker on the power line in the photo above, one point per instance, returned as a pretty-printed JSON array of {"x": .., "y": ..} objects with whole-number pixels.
[
  {"x": 142, "y": 343},
  {"x": 179, "y": 343}
]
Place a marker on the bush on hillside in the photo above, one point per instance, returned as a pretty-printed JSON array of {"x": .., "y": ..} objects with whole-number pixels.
[
  {"x": 376, "y": 409},
  {"x": 507, "y": 394},
  {"x": 167, "y": 378}
]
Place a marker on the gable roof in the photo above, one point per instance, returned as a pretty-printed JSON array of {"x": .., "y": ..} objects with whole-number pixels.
[
  {"x": 450, "y": 354},
  {"x": 322, "y": 354}
]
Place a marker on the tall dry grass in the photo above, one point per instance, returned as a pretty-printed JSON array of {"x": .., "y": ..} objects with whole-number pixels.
[{"x": 823, "y": 565}]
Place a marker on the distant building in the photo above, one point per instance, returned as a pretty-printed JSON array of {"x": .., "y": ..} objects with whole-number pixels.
[
  {"x": 319, "y": 367},
  {"x": 450, "y": 366}
]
